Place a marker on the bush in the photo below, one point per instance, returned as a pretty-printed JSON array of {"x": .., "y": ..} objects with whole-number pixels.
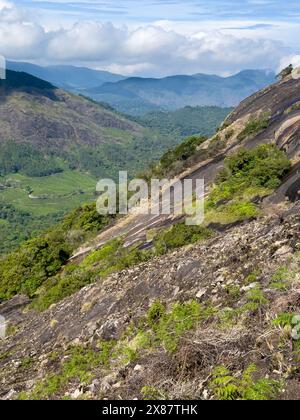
[
  {"x": 232, "y": 212},
  {"x": 25, "y": 270},
  {"x": 226, "y": 386},
  {"x": 173, "y": 161},
  {"x": 168, "y": 327},
  {"x": 180, "y": 235},
  {"x": 86, "y": 218},
  {"x": 246, "y": 174},
  {"x": 155, "y": 313},
  {"x": 254, "y": 126}
]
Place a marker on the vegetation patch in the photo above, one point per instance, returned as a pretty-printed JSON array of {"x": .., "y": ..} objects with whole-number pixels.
[
  {"x": 246, "y": 175},
  {"x": 28, "y": 268},
  {"x": 242, "y": 386},
  {"x": 160, "y": 327},
  {"x": 174, "y": 161},
  {"x": 280, "y": 279},
  {"x": 286, "y": 322},
  {"x": 185, "y": 121},
  {"x": 254, "y": 126},
  {"x": 78, "y": 367},
  {"x": 180, "y": 235}
]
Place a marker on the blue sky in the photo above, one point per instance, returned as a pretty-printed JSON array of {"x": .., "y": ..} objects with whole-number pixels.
[
  {"x": 153, "y": 37},
  {"x": 187, "y": 10}
]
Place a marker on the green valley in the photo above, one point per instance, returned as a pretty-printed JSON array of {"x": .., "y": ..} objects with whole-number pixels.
[
  {"x": 29, "y": 205},
  {"x": 54, "y": 146}
]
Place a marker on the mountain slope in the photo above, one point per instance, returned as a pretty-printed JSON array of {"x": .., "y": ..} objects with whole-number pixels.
[
  {"x": 35, "y": 112},
  {"x": 85, "y": 134},
  {"x": 107, "y": 324},
  {"x": 55, "y": 145},
  {"x": 270, "y": 116},
  {"x": 70, "y": 78},
  {"x": 53, "y": 148},
  {"x": 211, "y": 320},
  {"x": 137, "y": 95},
  {"x": 186, "y": 121}
]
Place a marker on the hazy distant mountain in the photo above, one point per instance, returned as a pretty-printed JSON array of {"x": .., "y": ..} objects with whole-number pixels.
[
  {"x": 138, "y": 95},
  {"x": 69, "y": 78}
]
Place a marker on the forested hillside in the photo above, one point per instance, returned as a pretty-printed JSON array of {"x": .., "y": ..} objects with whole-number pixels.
[
  {"x": 186, "y": 121},
  {"x": 54, "y": 146}
]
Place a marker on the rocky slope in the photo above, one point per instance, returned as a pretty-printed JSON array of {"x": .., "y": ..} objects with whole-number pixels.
[
  {"x": 219, "y": 274},
  {"x": 270, "y": 116},
  {"x": 189, "y": 324}
]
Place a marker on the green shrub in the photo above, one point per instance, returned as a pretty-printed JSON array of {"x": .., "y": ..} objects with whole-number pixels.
[
  {"x": 86, "y": 218},
  {"x": 263, "y": 166},
  {"x": 182, "y": 152},
  {"x": 180, "y": 235},
  {"x": 226, "y": 386},
  {"x": 232, "y": 212},
  {"x": 175, "y": 160},
  {"x": 246, "y": 174},
  {"x": 155, "y": 313},
  {"x": 170, "y": 326},
  {"x": 229, "y": 134},
  {"x": 280, "y": 279},
  {"x": 256, "y": 299},
  {"x": 252, "y": 277},
  {"x": 254, "y": 126},
  {"x": 284, "y": 319}
]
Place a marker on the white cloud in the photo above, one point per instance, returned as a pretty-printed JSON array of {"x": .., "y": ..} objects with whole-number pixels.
[
  {"x": 150, "y": 49},
  {"x": 86, "y": 41},
  {"x": 290, "y": 59}
]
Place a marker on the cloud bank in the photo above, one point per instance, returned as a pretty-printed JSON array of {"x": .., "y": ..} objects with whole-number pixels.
[{"x": 149, "y": 49}]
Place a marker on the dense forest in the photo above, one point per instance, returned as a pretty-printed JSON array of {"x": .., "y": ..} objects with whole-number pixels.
[
  {"x": 186, "y": 121},
  {"x": 18, "y": 226}
]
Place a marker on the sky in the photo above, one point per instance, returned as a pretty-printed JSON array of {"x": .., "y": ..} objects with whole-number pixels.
[{"x": 153, "y": 37}]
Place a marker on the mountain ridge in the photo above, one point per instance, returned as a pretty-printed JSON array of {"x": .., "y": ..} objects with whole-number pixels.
[
  {"x": 139, "y": 95},
  {"x": 73, "y": 78}
]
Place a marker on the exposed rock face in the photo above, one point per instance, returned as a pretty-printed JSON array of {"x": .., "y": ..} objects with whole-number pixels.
[
  {"x": 280, "y": 105},
  {"x": 244, "y": 278},
  {"x": 104, "y": 311}
]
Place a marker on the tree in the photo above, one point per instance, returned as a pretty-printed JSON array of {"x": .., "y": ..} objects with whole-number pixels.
[{"x": 285, "y": 72}]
